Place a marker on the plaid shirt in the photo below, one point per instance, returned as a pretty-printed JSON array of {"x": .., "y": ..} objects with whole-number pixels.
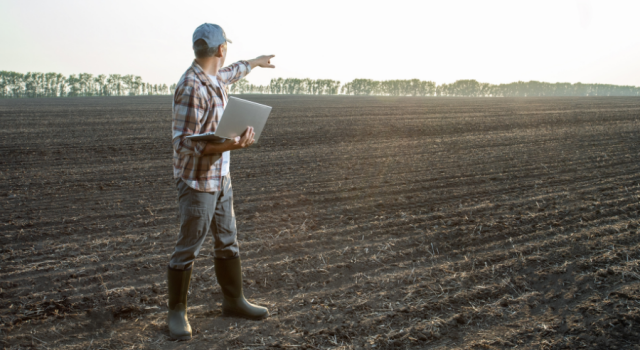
[{"x": 198, "y": 105}]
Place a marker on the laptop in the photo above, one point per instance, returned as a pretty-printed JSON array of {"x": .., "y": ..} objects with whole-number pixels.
[{"x": 238, "y": 115}]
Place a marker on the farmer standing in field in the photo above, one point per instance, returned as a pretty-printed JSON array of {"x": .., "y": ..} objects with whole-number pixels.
[{"x": 201, "y": 170}]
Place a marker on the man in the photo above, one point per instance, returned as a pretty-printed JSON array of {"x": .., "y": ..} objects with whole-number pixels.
[{"x": 202, "y": 177}]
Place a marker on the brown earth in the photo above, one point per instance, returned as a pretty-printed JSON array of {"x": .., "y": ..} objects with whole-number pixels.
[{"x": 424, "y": 223}]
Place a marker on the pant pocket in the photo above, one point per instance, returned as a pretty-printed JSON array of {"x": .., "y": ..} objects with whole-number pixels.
[
  {"x": 194, "y": 223},
  {"x": 192, "y": 214}
]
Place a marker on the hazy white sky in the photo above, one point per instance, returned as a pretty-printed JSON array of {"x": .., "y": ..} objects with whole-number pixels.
[{"x": 493, "y": 41}]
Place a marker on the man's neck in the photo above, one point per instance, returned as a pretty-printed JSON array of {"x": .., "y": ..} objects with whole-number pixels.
[{"x": 210, "y": 65}]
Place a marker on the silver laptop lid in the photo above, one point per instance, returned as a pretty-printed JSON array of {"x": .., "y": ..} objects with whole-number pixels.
[{"x": 240, "y": 114}]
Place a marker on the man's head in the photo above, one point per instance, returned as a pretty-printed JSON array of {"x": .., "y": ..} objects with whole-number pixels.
[
  {"x": 202, "y": 50},
  {"x": 210, "y": 40}
]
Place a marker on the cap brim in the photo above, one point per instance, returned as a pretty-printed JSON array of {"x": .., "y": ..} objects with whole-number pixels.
[{"x": 229, "y": 41}]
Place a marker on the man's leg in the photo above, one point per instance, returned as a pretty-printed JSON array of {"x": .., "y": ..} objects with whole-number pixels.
[
  {"x": 223, "y": 225},
  {"x": 227, "y": 258},
  {"x": 196, "y": 214}
]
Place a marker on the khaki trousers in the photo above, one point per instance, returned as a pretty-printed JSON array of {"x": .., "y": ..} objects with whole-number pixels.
[{"x": 201, "y": 213}]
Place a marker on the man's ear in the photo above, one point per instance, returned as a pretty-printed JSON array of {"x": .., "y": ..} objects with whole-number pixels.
[{"x": 219, "y": 51}]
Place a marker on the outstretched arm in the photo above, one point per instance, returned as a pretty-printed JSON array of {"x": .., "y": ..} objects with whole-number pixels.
[
  {"x": 236, "y": 71},
  {"x": 262, "y": 61}
]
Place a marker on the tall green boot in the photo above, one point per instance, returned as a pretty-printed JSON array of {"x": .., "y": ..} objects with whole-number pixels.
[
  {"x": 229, "y": 274},
  {"x": 178, "y": 284}
]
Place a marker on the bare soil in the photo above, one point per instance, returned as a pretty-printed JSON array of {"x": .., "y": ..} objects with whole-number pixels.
[{"x": 406, "y": 223}]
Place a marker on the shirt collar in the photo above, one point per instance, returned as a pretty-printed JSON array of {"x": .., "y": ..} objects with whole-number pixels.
[{"x": 202, "y": 76}]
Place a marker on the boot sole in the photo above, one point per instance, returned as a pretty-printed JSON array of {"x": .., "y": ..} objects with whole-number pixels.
[{"x": 235, "y": 314}]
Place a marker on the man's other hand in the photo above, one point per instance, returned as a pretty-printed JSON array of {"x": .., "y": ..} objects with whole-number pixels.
[
  {"x": 262, "y": 61},
  {"x": 243, "y": 141}
]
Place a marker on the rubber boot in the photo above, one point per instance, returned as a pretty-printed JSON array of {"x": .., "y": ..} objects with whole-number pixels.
[
  {"x": 178, "y": 283},
  {"x": 229, "y": 274}
]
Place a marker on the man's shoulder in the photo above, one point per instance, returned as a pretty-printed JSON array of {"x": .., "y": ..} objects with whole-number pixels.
[
  {"x": 190, "y": 79},
  {"x": 191, "y": 84}
]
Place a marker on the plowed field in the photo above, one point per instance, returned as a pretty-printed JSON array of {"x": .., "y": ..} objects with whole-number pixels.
[{"x": 407, "y": 223}]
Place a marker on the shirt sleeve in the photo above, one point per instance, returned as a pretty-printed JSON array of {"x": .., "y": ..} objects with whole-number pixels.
[
  {"x": 188, "y": 109},
  {"x": 234, "y": 72}
]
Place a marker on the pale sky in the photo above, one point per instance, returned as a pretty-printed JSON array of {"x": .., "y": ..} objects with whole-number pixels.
[{"x": 493, "y": 41}]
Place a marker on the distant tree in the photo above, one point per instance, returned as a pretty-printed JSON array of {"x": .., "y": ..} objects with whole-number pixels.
[
  {"x": 114, "y": 81},
  {"x": 73, "y": 85},
  {"x": 127, "y": 82},
  {"x": 276, "y": 86},
  {"x": 86, "y": 85},
  {"x": 30, "y": 84},
  {"x": 101, "y": 85},
  {"x": 239, "y": 87},
  {"x": 137, "y": 85},
  {"x": 361, "y": 87}
]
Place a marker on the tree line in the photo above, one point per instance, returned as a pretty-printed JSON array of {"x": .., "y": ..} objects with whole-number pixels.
[
  {"x": 13, "y": 84},
  {"x": 289, "y": 86},
  {"x": 472, "y": 88},
  {"x": 416, "y": 87},
  {"x": 413, "y": 87}
]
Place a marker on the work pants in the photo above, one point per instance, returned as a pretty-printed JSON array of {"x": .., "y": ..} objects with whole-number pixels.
[{"x": 201, "y": 213}]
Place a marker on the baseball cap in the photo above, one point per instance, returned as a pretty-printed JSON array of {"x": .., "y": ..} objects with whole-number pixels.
[{"x": 212, "y": 34}]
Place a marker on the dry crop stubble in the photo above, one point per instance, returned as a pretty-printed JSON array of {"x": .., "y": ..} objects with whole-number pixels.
[{"x": 394, "y": 222}]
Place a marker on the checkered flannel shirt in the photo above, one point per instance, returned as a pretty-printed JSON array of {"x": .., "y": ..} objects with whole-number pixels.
[{"x": 197, "y": 107}]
